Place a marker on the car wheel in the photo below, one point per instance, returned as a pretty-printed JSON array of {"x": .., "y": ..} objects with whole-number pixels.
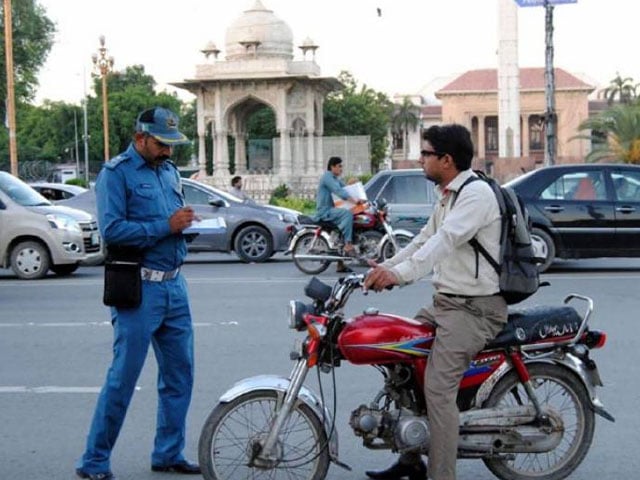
[
  {"x": 64, "y": 270},
  {"x": 254, "y": 244},
  {"x": 30, "y": 260},
  {"x": 544, "y": 246}
]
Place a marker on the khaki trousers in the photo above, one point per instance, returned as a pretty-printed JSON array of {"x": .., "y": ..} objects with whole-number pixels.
[{"x": 463, "y": 327}]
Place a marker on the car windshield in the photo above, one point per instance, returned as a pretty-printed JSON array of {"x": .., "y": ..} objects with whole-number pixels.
[{"x": 20, "y": 192}]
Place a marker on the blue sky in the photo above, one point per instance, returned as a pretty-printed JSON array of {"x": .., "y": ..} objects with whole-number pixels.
[{"x": 412, "y": 43}]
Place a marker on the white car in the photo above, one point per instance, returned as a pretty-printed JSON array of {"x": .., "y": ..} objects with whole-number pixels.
[{"x": 57, "y": 191}]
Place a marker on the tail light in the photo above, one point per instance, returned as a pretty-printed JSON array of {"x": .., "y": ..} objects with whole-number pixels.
[{"x": 595, "y": 339}]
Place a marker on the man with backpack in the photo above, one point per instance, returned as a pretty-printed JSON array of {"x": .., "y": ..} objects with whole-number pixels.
[{"x": 468, "y": 309}]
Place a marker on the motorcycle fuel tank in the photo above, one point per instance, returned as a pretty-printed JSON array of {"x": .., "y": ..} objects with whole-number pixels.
[
  {"x": 364, "y": 220},
  {"x": 381, "y": 338}
]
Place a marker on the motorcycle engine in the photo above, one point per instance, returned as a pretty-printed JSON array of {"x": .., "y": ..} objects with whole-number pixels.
[{"x": 399, "y": 430}]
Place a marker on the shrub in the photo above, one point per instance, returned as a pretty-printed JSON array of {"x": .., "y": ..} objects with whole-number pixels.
[
  {"x": 77, "y": 181},
  {"x": 302, "y": 205}
]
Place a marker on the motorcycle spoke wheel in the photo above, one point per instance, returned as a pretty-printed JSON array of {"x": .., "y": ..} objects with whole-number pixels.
[
  {"x": 309, "y": 244},
  {"x": 560, "y": 391},
  {"x": 234, "y": 431},
  {"x": 388, "y": 250}
]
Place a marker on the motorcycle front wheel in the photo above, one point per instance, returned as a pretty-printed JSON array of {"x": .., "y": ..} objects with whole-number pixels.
[
  {"x": 388, "y": 250},
  {"x": 234, "y": 432},
  {"x": 562, "y": 392},
  {"x": 309, "y": 244}
]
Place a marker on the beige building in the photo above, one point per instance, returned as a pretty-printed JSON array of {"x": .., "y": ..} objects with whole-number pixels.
[{"x": 472, "y": 100}]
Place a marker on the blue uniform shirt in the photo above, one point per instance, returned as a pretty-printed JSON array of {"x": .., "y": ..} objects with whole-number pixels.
[
  {"x": 329, "y": 184},
  {"x": 134, "y": 204}
]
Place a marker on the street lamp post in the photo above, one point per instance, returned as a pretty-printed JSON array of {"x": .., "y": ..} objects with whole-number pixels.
[{"x": 102, "y": 65}]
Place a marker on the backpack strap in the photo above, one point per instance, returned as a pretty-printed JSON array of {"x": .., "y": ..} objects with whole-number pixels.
[{"x": 475, "y": 244}]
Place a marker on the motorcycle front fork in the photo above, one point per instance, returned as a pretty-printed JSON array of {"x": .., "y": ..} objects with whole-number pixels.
[{"x": 267, "y": 455}]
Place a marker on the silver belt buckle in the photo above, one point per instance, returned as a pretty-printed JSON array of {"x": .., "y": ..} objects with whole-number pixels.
[{"x": 156, "y": 276}]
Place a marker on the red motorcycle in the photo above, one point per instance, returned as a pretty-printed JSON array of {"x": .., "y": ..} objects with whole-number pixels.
[
  {"x": 315, "y": 245},
  {"x": 528, "y": 400}
]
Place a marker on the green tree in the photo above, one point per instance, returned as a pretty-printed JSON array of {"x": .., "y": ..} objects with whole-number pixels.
[
  {"x": 615, "y": 134},
  {"x": 129, "y": 92},
  {"x": 32, "y": 35},
  {"x": 359, "y": 111},
  {"x": 622, "y": 88},
  {"x": 405, "y": 119}
]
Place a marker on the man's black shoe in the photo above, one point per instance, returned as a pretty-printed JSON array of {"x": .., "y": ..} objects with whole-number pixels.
[
  {"x": 398, "y": 471},
  {"x": 183, "y": 467},
  {"x": 342, "y": 268},
  {"x": 95, "y": 476}
]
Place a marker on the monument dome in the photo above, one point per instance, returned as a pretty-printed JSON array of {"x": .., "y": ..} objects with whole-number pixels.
[{"x": 258, "y": 33}]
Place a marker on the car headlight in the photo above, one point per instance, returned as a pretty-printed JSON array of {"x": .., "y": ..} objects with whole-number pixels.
[
  {"x": 63, "y": 222},
  {"x": 287, "y": 218}
]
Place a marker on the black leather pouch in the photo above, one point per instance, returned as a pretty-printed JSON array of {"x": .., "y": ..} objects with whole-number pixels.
[{"x": 122, "y": 279}]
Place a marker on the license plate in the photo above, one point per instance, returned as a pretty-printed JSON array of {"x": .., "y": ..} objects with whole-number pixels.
[{"x": 95, "y": 238}]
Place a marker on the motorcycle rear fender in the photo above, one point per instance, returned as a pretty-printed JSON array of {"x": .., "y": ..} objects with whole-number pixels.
[
  {"x": 308, "y": 229},
  {"x": 307, "y": 396},
  {"x": 398, "y": 232},
  {"x": 588, "y": 378}
]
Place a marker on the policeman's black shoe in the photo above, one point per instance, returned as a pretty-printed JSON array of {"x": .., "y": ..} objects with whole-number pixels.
[
  {"x": 184, "y": 467},
  {"x": 398, "y": 471},
  {"x": 95, "y": 476}
]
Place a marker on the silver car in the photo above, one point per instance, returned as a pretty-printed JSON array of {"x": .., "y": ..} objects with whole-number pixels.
[{"x": 253, "y": 231}]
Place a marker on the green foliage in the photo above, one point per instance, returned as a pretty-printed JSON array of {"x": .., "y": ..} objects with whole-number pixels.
[
  {"x": 281, "y": 191},
  {"x": 359, "y": 111},
  {"x": 301, "y": 204},
  {"x": 77, "y": 181},
  {"x": 262, "y": 123},
  {"x": 406, "y": 118},
  {"x": 32, "y": 35},
  {"x": 622, "y": 88},
  {"x": 615, "y": 134}
]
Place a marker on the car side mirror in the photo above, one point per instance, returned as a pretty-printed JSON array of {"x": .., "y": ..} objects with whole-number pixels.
[{"x": 216, "y": 202}]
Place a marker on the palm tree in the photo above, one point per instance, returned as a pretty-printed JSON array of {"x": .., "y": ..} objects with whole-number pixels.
[
  {"x": 623, "y": 88},
  {"x": 615, "y": 134},
  {"x": 405, "y": 119}
]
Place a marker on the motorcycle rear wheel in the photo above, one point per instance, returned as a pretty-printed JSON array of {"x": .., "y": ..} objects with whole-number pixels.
[
  {"x": 558, "y": 388},
  {"x": 309, "y": 244},
  {"x": 234, "y": 429}
]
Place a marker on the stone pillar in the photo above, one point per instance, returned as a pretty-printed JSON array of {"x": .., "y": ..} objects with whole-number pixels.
[
  {"x": 310, "y": 167},
  {"x": 284, "y": 163},
  {"x": 482, "y": 151},
  {"x": 321, "y": 163},
  {"x": 525, "y": 135},
  {"x": 201, "y": 127},
  {"x": 241, "y": 153},
  {"x": 221, "y": 154}
]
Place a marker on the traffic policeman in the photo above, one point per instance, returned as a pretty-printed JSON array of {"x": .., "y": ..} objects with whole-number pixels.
[{"x": 141, "y": 205}]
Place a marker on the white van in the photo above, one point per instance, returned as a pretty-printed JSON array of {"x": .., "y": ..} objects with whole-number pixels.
[{"x": 37, "y": 236}]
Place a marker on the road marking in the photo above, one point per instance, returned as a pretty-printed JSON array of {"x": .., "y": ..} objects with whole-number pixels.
[
  {"x": 52, "y": 389},
  {"x": 97, "y": 324}
]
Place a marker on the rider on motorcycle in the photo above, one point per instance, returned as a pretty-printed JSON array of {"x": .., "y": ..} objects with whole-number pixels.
[
  {"x": 467, "y": 309},
  {"x": 331, "y": 183}
]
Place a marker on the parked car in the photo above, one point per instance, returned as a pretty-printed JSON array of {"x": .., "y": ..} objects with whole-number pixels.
[
  {"x": 584, "y": 210},
  {"x": 253, "y": 231},
  {"x": 410, "y": 197},
  {"x": 57, "y": 191},
  {"x": 37, "y": 236}
]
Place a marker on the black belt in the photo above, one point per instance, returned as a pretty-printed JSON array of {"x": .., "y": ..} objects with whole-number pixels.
[{"x": 455, "y": 295}]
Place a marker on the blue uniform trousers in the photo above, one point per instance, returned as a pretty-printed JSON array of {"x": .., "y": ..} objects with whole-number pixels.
[
  {"x": 164, "y": 320},
  {"x": 343, "y": 219}
]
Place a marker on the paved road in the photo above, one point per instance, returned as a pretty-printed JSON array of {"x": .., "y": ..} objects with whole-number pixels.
[{"x": 55, "y": 341}]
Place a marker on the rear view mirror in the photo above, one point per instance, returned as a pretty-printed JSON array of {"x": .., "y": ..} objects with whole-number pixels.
[{"x": 216, "y": 202}]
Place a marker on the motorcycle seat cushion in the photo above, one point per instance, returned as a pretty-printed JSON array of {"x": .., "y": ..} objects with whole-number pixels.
[{"x": 539, "y": 324}]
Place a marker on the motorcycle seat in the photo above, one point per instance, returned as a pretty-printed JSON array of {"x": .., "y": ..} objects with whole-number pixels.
[
  {"x": 539, "y": 324},
  {"x": 306, "y": 220}
]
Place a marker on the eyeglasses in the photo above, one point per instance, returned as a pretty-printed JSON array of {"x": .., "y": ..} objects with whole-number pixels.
[{"x": 427, "y": 153}]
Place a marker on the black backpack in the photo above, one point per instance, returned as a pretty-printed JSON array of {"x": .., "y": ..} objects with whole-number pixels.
[{"x": 517, "y": 267}]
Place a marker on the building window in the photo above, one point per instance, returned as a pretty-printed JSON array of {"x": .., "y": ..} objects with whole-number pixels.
[
  {"x": 536, "y": 137},
  {"x": 491, "y": 134}
]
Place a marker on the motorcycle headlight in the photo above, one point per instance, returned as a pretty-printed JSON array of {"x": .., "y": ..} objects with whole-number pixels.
[
  {"x": 297, "y": 310},
  {"x": 63, "y": 222}
]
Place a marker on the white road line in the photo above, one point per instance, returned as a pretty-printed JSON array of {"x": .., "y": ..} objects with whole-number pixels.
[
  {"x": 95, "y": 324},
  {"x": 51, "y": 389}
]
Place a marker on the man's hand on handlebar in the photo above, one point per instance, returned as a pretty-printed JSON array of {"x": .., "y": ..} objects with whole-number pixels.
[{"x": 380, "y": 278}]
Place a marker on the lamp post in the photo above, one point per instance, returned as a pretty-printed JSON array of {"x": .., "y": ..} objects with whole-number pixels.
[{"x": 102, "y": 66}]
